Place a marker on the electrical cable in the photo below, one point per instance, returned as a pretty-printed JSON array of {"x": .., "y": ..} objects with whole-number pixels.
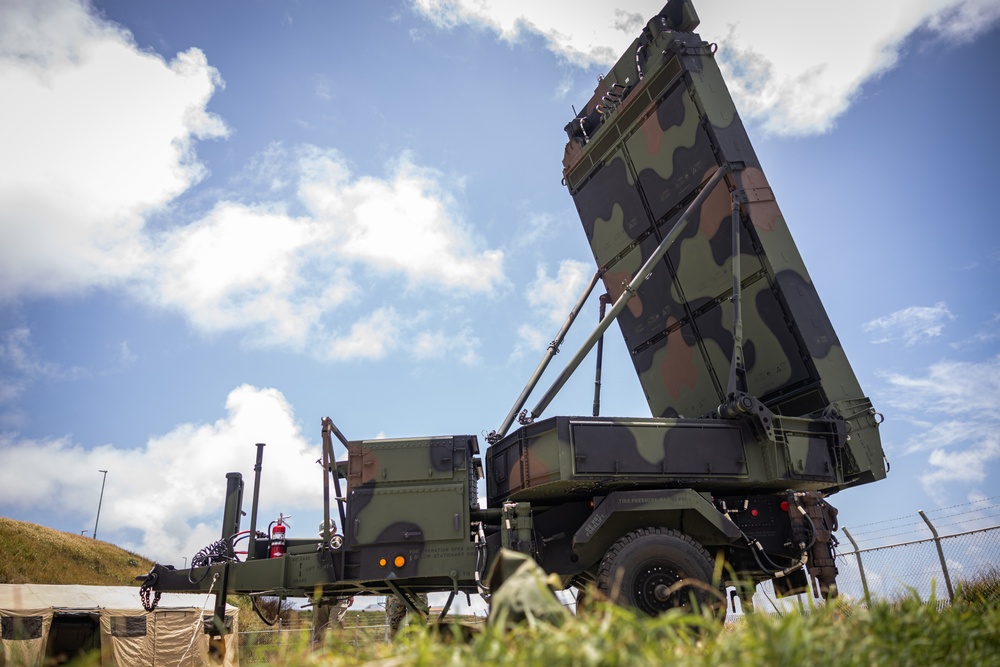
[{"x": 277, "y": 617}]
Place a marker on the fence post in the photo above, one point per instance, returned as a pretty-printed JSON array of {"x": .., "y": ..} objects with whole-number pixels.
[
  {"x": 861, "y": 568},
  {"x": 944, "y": 565}
]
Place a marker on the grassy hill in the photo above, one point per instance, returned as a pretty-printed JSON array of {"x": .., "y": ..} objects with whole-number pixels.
[{"x": 33, "y": 554}]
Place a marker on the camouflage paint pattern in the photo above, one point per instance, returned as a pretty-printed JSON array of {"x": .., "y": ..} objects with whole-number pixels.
[
  {"x": 409, "y": 508},
  {"x": 565, "y": 488},
  {"x": 633, "y": 164},
  {"x": 396, "y": 612},
  {"x": 623, "y": 511},
  {"x": 412, "y": 499},
  {"x": 565, "y": 458}
]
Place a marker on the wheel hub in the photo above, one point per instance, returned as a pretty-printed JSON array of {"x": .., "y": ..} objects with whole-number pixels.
[{"x": 652, "y": 589}]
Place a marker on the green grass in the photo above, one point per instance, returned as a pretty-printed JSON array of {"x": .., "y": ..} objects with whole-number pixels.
[
  {"x": 904, "y": 632},
  {"x": 983, "y": 589},
  {"x": 907, "y": 632},
  {"x": 32, "y": 554}
]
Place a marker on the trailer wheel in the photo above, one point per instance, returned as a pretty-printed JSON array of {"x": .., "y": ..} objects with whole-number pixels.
[{"x": 655, "y": 570}]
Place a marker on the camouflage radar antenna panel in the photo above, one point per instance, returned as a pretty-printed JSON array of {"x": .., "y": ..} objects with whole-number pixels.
[{"x": 658, "y": 126}]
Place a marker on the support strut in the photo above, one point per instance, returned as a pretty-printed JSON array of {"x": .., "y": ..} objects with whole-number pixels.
[
  {"x": 330, "y": 467},
  {"x": 737, "y": 369},
  {"x": 629, "y": 291},
  {"x": 552, "y": 351},
  {"x": 605, "y": 299}
]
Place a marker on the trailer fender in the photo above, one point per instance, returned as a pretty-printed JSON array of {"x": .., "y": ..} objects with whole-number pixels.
[{"x": 683, "y": 510}]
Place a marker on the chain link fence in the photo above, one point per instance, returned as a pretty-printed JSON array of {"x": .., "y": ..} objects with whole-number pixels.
[
  {"x": 909, "y": 556},
  {"x": 262, "y": 647},
  {"x": 930, "y": 567}
]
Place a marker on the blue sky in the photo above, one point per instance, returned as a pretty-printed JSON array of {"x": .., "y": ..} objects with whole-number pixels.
[{"x": 220, "y": 222}]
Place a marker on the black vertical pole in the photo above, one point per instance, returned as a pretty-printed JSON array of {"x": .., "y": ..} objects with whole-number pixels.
[
  {"x": 600, "y": 358},
  {"x": 231, "y": 513},
  {"x": 252, "y": 545}
]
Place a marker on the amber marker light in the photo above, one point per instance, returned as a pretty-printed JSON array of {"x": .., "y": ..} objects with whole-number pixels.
[
  {"x": 399, "y": 562},
  {"x": 382, "y": 562}
]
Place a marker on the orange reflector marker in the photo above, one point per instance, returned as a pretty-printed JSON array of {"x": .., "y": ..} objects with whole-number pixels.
[
  {"x": 382, "y": 562},
  {"x": 399, "y": 562}
]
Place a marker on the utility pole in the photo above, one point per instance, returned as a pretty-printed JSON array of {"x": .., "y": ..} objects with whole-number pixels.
[{"x": 100, "y": 501}]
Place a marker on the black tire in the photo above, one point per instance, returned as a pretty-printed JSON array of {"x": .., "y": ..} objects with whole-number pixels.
[{"x": 655, "y": 570}]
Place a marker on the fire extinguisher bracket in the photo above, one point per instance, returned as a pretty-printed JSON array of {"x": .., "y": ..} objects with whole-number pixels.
[{"x": 277, "y": 531}]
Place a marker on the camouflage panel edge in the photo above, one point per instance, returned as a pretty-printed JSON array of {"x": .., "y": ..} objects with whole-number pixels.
[
  {"x": 657, "y": 126},
  {"x": 570, "y": 458}
]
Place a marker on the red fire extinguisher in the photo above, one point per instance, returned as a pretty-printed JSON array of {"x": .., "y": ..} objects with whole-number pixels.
[{"x": 278, "y": 537}]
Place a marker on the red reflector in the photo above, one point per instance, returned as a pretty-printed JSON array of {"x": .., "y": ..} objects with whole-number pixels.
[
  {"x": 784, "y": 505},
  {"x": 754, "y": 512}
]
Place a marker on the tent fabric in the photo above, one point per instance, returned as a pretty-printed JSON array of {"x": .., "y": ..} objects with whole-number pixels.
[
  {"x": 23, "y": 635},
  {"x": 89, "y": 598},
  {"x": 173, "y": 634},
  {"x": 124, "y": 640}
]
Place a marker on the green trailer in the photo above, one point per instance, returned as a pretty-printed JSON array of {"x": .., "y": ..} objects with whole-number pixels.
[{"x": 757, "y": 415}]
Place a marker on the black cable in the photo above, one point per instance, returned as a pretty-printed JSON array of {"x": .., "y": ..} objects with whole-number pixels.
[
  {"x": 812, "y": 527},
  {"x": 277, "y": 617},
  {"x": 216, "y": 552}
]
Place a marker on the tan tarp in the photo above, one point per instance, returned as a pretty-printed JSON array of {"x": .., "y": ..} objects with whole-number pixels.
[
  {"x": 126, "y": 637},
  {"x": 130, "y": 637},
  {"x": 24, "y": 634},
  {"x": 172, "y": 637}
]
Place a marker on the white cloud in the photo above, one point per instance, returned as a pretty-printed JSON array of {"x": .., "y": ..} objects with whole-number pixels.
[
  {"x": 406, "y": 223},
  {"x": 551, "y": 299},
  {"x": 536, "y": 230},
  {"x": 99, "y": 135},
  {"x": 530, "y": 338},
  {"x": 910, "y": 325},
  {"x": 385, "y": 331},
  {"x": 95, "y": 135},
  {"x": 370, "y": 338},
  {"x": 242, "y": 267},
  {"x": 963, "y": 430},
  {"x": 965, "y": 465},
  {"x": 436, "y": 344},
  {"x": 555, "y": 297},
  {"x": 951, "y": 387},
  {"x": 171, "y": 489},
  {"x": 987, "y": 333},
  {"x": 255, "y": 267},
  {"x": 982, "y": 511},
  {"x": 21, "y": 363},
  {"x": 784, "y": 64},
  {"x": 19, "y": 367}
]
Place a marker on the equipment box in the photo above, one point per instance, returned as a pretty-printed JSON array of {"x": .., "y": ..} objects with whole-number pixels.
[
  {"x": 566, "y": 457},
  {"x": 385, "y": 476}
]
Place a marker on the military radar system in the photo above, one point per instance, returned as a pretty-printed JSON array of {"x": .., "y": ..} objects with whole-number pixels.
[{"x": 757, "y": 414}]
